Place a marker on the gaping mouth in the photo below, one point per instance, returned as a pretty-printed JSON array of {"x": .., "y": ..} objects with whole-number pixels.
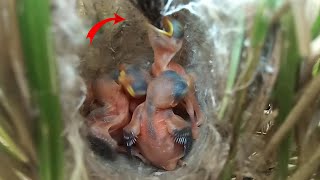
[{"x": 167, "y": 25}]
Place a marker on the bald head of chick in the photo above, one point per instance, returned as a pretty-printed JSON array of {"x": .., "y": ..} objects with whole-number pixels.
[{"x": 167, "y": 90}]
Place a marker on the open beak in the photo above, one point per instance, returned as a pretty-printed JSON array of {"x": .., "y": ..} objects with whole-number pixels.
[
  {"x": 165, "y": 39},
  {"x": 168, "y": 28}
]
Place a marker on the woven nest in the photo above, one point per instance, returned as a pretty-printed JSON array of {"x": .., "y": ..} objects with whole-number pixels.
[{"x": 205, "y": 52}]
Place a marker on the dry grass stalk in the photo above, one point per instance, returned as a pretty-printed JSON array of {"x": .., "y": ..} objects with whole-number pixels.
[
  {"x": 309, "y": 96},
  {"x": 269, "y": 80},
  {"x": 307, "y": 169}
]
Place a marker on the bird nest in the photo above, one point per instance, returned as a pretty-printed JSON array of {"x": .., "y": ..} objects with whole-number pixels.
[{"x": 210, "y": 28}]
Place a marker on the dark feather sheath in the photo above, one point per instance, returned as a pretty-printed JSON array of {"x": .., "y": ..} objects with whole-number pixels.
[{"x": 151, "y": 9}]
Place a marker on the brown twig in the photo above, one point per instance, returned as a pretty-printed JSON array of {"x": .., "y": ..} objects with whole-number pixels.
[
  {"x": 244, "y": 85},
  {"x": 302, "y": 28},
  {"x": 264, "y": 94},
  {"x": 306, "y": 170},
  {"x": 16, "y": 114},
  {"x": 15, "y": 53},
  {"x": 301, "y": 128},
  {"x": 296, "y": 113},
  {"x": 280, "y": 12},
  {"x": 21, "y": 131},
  {"x": 303, "y": 34}
]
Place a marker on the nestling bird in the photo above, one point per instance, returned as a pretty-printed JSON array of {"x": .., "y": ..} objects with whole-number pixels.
[
  {"x": 134, "y": 81},
  {"x": 162, "y": 137},
  {"x": 112, "y": 114},
  {"x": 166, "y": 37},
  {"x": 89, "y": 103}
]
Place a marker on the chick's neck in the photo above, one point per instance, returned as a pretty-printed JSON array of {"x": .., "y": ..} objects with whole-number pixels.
[{"x": 161, "y": 60}]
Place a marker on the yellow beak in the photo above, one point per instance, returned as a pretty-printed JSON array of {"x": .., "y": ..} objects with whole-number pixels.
[
  {"x": 124, "y": 81},
  {"x": 168, "y": 26}
]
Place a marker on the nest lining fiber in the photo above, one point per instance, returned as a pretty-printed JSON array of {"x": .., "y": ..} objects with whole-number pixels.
[{"x": 205, "y": 52}]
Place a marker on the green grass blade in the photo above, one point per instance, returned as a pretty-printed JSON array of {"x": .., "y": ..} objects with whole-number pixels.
[
  {"x": 235, "y": 60},
  {"x": 260, "y": 29},
  {"x": 315, "y": 30},
  {"x": 316, "y": 68},
  {"x": 8, "y": 144},
  {"x": 284, "y": 90},
  {"x": 34, "y": 22}
]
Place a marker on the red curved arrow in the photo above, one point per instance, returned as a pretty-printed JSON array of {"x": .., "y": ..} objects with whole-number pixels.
[{"x": 92, "y": 32}]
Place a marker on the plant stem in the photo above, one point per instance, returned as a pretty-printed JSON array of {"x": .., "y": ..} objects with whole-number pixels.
[
  {"x": 34, "y": 21},
  {"x": 235, "y": 59},
  {"x": 310, "y": 95},
  {"x": 306, "y": 170}
]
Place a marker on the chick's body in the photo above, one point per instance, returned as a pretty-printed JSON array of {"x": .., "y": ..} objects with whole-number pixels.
[
  {"x": 156, "y": 144},
  {"x": 106, "y": 122},
  {"x": 162, "y": 137}
]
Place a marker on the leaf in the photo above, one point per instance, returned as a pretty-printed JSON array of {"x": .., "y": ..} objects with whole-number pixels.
[
  {"x": 315, "y": 30},
  {"x": 285, "y": 89},
  {"x": 34, "y": 24},
  {"x": 316, "y": 68},
  {"x": 7, "y": 144},
  {"x": 235, "y": 60}
]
